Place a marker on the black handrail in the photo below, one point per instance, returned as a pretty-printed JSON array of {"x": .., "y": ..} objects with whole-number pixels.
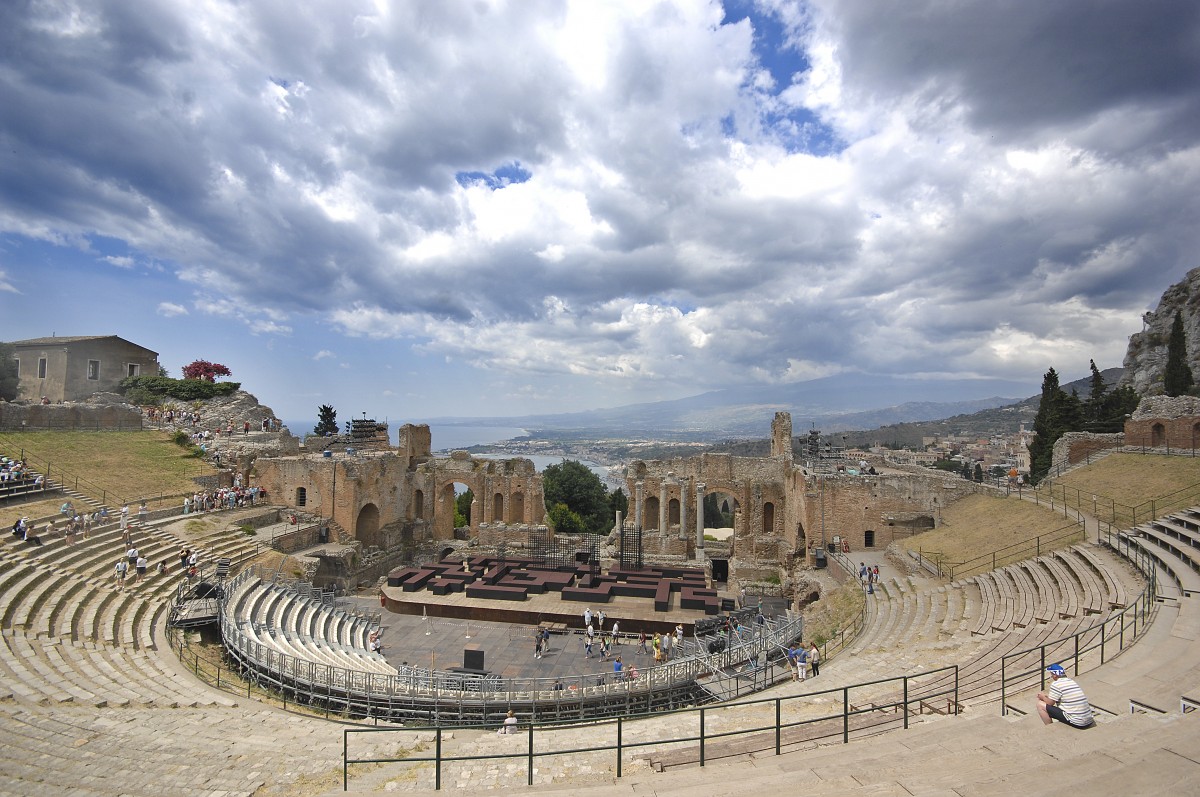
[{"x": 547, "y": 732}]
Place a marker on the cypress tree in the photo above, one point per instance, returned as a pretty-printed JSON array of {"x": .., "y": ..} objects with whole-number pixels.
[
  {"x": 1047, "y": 426},
  {"x": 1177, "y": 378}
]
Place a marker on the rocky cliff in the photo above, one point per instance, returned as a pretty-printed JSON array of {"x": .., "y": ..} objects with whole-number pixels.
[{"x": 1146, "y": 357}]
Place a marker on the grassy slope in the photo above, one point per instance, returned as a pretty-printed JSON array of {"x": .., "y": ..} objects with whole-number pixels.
[
  {"x": 125, "y": 464},
  {"x": 1133, "y": 480},
  {"x": 979, "y": 523}
]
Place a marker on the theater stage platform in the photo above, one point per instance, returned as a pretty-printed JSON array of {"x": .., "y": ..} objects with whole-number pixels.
[{"x": 634, "y": 614}]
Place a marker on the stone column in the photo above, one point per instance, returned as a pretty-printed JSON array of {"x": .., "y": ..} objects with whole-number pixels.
[
  {"x": 683, "y": 497},
  {"x": 699, "y": 518},
  {"x": 662, "y": 507},
  {"x": 638, "y": 492}
]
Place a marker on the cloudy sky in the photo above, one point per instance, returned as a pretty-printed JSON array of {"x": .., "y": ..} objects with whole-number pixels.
[{"x": 417, "y": 209}]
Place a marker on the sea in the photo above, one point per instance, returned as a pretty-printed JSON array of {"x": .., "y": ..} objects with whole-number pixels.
[{"x": 451, "y": 438}]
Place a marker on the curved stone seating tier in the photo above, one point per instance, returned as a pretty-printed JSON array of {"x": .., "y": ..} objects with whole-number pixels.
[
  {"x": 1173, "y": 559},
  {"x": 281, "y": 618}
]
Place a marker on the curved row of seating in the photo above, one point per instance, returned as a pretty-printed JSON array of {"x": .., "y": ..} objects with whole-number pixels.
[
  {"x": 303, "y": 627},
  {"x": 70, "y": 635},
  {"x": 1174, "y": 543},
  {"x": 1059, "y": 585}
]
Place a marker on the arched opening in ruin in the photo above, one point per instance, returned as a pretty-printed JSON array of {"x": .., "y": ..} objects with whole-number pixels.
[
  {"x": 442, "y": 554},
  {"x": 1195, "y": 434},
  {"x": 768, "y": 518},
  {"x": 446, "y": 526},
  {"x": 498, "y": 508},
  {"x": 301, "y": 496},
  {"x": 516, "y": 508},
  {"x": 650, "y": 513},
  {"x": 418, "y": 505},
  {"x": 366, "y": 526},
  {"x": 1158, "y": 435},
  {"x": 673, "y": 512},
  {"x": 869, "y": 538}
]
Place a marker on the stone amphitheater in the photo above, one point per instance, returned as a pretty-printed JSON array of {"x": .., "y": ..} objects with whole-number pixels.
[{"x": 95, "y": 701}]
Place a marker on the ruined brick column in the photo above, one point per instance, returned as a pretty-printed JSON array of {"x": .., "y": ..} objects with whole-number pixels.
[
  {"x": 639, "y": 492},
  {"x": 683, "y": 497},
  {"x": 662, "y": 506},
  {"x": 699, "y": 519}
]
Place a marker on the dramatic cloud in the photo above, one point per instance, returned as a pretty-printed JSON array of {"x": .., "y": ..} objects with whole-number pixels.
[{"x": 682, "y": 194}]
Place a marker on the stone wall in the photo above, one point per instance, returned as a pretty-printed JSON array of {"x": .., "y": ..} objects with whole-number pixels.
[
  {"x": 1165, "y": 421},
  {"x": 1075, "y": 447},
  {"x": 70, "y": 417}
]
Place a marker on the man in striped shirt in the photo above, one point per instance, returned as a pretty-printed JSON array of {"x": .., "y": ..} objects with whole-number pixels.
[{"x": 1065, "y": 701}]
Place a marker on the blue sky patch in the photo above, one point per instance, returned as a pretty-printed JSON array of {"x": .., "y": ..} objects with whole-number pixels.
[{"x": 509, "y": 174}]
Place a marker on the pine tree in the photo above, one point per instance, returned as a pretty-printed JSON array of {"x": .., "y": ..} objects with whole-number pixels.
[
  {"x": 1177, "y": 378},
  {"x": 326, "y": 421},
  {"x": 1096, "y": 397},
  {"x": 1047, "y": 426}
]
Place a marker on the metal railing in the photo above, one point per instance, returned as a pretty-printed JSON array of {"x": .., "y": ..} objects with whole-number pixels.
[
  {"x": 876, "y": 709},
  {"x": 1090, "y": 647},
  {"x": 1006, "y": 555},
  {"x": 1113, "y": 511}
]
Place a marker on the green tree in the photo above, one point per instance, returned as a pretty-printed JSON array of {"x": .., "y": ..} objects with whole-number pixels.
[
  {"x": 978, "y": 472},
  {"x": 565, "y": 521},
  {"x": 618, "y": 502},
  {"x": 326, "y": 421},
  {"x": 1096, "y": 395},
  {"x": 8, "y": 372},
  {"x": 966, "y": 471},
  {"x": 1056, "y": 412},
  {"x": 1177, "y": 378},
  {"x": 462, "y": 509},
  {"x": 572, "y": 483}
]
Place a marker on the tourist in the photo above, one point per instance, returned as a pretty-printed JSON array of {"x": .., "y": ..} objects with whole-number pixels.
[
  {"x": 537, "y": 643},
  {"x": 863, "y": 573},
  {"x": 143, "y": 513},
  {"x": 600, "y": 621},
  {"x": 119, "y": 574},
  {"x": 666, "y": 647},
  {"x": 801, "y": 662},
  {"x": 140, "y": 566},
  {"x": 545, "y": 641},
  {"x": 1064, "y": 702},
  {"x": 133, "y": 554},
  {"x": 587, "y": 617},
  {"x": 642, "y": 643},
  {"x": 617, "y": 669},
  {"x": 814, "y": 660},
  {"x": 183, "y": 559},
  {"x": 616, "y": 631},
  {"x": 588, "y": 637},
  {"x": 558, "y": 684},
  {"x": 657, "y": 645},
  {"x": 678, "y": 635},
  {"x": 510, "y": 724},
  {"x": 605, "y": 647}
]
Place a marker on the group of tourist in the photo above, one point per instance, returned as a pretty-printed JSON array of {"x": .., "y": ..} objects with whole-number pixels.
[
  {"x": 800, "y": 660},
  {"x": 223, "y": 498},
  {"x": 868, "y": 576},
  {"x": 174, "y": 417}
]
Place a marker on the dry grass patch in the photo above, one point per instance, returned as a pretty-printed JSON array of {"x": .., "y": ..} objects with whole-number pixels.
[
  {"x": 977, "y": 525},
  {"x": 11, "y": 513},
  {"x": 1122, "y": 482},
  {"x": 124, "y": 465},
  {"x": 836, "y": 611}
]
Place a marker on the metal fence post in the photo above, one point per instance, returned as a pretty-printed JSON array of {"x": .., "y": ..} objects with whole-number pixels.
[
  {"x": 845, "y": 715},
  {"x": 619, "y": 729},
  {"x": 778, "y": 724},
  {"x": 701, "y": 736},
  {"x": 529, "y": 759},
  {"x": 905, "y": 706},
  {"x": 437, "y": 760}
]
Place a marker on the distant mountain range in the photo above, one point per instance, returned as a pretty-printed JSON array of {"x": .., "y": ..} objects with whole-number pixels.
[{"x": 832, "y": 404}]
